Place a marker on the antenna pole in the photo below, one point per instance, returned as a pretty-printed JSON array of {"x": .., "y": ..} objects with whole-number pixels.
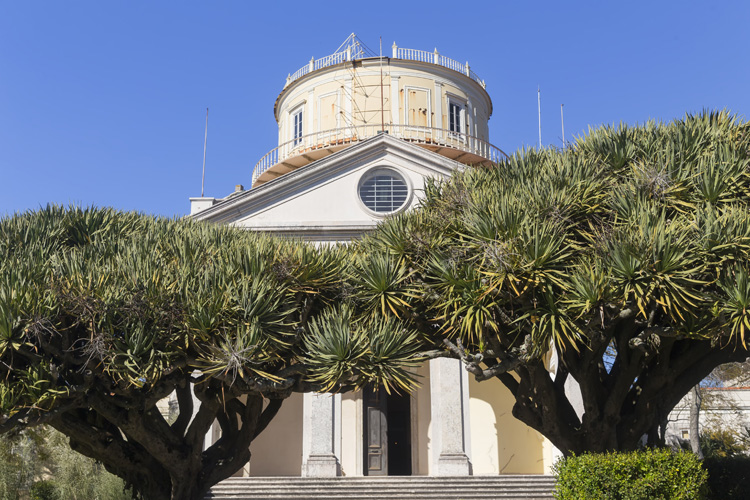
[
  {"x": 562, "y": 122},
  {"x": 382, "y": 110},
  {"x": 539, "y": 108},
  {"x": 205, "y": 140}
]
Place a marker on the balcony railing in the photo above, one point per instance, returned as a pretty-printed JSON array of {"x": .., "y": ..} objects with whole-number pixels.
[
  {"x": 436, "y": 58},
  {"x": 352, "y": 49},
  {"x": 341, "y": 137}
]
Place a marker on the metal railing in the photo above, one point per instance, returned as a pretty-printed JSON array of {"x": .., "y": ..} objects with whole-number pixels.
[
  {"x": 341, "y": 137},
  {"x": 353, "y": 51}
]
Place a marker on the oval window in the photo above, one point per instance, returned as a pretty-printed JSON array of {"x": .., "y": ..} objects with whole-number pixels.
[{"x": 383, "y": 191}]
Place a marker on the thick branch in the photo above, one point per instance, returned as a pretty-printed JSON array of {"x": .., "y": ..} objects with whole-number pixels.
[
  {"x": 507, "y": 362},
  {"x": 239, "y": 451},
  {"x": 185, "y": 402},
  {"x": 126, "y": 459},
  {"x": 273, "y": 407}
]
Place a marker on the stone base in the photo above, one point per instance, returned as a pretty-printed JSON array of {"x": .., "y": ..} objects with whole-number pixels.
[
  {"x": 453, "y": 464},
  {"x": 321, "y": 466}
]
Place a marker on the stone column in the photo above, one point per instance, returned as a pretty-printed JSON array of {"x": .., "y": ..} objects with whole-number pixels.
[
  {"x": 450, "y": 432},
  {"x": 320, "y": 432}
]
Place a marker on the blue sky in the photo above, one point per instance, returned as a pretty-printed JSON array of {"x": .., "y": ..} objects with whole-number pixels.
[{"x": 103, "y": 102}]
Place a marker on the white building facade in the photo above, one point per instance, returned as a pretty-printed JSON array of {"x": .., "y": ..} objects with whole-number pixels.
[
  {"x": 722, "y": 408},
  {"x": 358, "y": 136}
]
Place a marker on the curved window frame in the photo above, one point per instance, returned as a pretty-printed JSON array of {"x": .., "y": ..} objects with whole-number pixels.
[{"x": 392, "y": 172}]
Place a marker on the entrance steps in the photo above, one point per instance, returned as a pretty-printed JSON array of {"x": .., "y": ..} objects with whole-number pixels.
[{"x": 505, "y": 487}]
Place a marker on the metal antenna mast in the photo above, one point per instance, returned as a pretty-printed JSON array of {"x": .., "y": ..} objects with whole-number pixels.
[
  {"x": 539, "y": 108},
  {"x": 562, "y": 122},
  {"x": 205, "y": 140}
]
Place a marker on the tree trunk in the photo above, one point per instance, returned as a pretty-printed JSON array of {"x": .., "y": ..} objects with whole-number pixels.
[
  {"x": 168, "y": 462},
  {"x": 695, "y": 408},
  {"x": 622, "y": 404}
]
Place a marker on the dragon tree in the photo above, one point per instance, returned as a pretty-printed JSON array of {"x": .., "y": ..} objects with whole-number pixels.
[
  {"x": 103, "y": 314},
  {"x": 598, "y": 283}
]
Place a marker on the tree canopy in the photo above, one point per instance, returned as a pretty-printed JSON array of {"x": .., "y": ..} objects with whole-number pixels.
[
  {"x": 103, "y": 314},
  {"x": 621, "y": 262}
]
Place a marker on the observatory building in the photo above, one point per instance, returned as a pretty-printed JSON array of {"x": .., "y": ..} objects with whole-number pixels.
[{"x": 358, "y": 134}]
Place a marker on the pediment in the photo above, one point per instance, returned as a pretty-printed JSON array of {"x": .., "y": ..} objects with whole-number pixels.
[{"x": 320, "y": 201}]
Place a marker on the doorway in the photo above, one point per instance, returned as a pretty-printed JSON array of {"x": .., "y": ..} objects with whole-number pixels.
[{"x": 387, "y": 433}]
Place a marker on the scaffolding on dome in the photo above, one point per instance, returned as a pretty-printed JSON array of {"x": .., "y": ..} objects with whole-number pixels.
[
  {"x": 352, "y": 48},
  {"x": 358, "y": 48}
]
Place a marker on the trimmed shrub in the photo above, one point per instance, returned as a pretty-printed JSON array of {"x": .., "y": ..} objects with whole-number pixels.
[
  {"x": 641, "y": 475},
  {"x": 727, "y": 477}
]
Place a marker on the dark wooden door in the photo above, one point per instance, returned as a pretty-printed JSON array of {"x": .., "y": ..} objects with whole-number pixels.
[
  {"x": 376, "y": 432},
  {"x": 387, "y": 429}
]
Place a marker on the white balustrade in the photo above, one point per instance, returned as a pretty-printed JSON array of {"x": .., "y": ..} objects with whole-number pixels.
[
  {"x": 398, "y": 53},
  {"x": 341, "y": 137}
]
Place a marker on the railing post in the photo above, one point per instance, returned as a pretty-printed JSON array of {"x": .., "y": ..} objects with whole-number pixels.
[
  {"x": 468, "y": 72},
  {"x": 349, "y": 53},
  {"x": 437, "y": 56},
  {"x": 312, "y": 64},
  {"x": 395, "y": 50}
]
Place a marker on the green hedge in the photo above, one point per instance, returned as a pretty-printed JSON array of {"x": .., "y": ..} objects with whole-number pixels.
[
  {"x": 641, "y": 475},
  {"x": 727, "y": 477}
]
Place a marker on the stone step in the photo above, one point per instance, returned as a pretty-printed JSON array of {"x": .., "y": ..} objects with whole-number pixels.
[
  {"x": 511, "y": 487},
  {"x": 281, "y": 495},
  {"x": 347, "y": 487},
  {"x": 391, "y": 480}
]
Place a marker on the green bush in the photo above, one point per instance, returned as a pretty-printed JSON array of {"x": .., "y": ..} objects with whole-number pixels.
[
  {"x": 721, "y": 443},
  {"x": 17, "y": 464},
  {"x": 727, "y": 477},
  {"x": 641, "y": 475},
  {"x": 76, "y": 476},
  {"x": 42, "y": 452},
  {"x": 43, "y": 490}
]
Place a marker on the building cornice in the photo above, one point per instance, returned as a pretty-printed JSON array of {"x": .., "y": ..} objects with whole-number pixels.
[{"x": 298, "y": 181}]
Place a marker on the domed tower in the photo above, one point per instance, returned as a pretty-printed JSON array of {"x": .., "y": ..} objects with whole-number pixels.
[
  {"x": 421, "y": 97},
  {"x": 358, "y": 134}
]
